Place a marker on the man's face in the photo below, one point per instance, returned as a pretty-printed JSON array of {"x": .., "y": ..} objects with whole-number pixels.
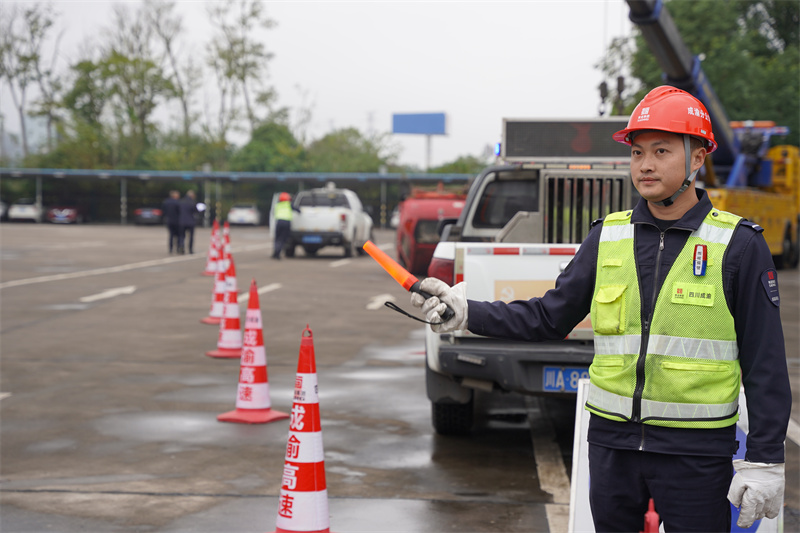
[{"x": 658, "y": 164}]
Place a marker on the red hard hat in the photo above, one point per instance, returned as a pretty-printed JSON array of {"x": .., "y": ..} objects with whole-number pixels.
[
  {"x": 284, "y": 197},
  {"x": 667, "y": 108}
]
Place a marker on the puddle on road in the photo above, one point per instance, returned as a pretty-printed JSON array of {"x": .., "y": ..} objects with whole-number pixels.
[{"x": 181, "y": 430}]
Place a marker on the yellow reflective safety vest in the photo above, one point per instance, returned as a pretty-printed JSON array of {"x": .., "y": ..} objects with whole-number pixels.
[
  {"x": 283, "y": 211},
  {"x": 680, "y": 367}
]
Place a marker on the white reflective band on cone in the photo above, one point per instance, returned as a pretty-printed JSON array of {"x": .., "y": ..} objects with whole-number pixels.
[
  {"x": 253, "y": 396},
  {"x": 314, "y": 506}
]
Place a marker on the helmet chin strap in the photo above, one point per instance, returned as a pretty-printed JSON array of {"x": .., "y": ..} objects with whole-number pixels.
[{"x": 689, "y": 176}]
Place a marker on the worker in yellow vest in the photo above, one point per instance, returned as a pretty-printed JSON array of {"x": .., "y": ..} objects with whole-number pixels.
[
  {"x": 283, "y": 223},
  {"x": 684, "y": 305}
]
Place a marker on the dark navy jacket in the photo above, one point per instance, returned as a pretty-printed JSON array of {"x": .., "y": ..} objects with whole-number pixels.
[
  {"x": 172, "y": 211},
  {"x": 746, "y": 270},
  {"x": 187, "y": 210}
]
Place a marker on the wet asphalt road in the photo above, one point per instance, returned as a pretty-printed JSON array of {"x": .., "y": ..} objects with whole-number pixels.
[{"x": 109, "y": 405}]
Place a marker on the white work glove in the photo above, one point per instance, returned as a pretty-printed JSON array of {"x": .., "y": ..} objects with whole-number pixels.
[
  {"x": 757, "y": 490},
  {"x": 441, "y": 294}
]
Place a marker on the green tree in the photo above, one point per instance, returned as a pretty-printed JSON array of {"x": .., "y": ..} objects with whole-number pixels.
[
  {"x": 347, "y": 150},
  {"x": 466, "y": 164},
  {"x": 23, "y": 32},
  {"x": 239, "y": 63},
  {"x": 185, "y": 77},
  {"x": 272, "y": 148},
  {"x": 136, "y": 84},
  {"x": 751, "y": 56}
]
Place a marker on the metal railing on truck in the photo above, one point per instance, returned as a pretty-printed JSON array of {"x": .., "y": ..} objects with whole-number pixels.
[{"x": 574, "y": 199}]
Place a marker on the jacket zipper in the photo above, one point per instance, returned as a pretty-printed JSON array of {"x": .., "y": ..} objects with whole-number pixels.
[{"x": 636, "y": 415}]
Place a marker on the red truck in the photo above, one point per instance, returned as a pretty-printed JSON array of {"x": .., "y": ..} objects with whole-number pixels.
[{"x": 417, "y": 232}]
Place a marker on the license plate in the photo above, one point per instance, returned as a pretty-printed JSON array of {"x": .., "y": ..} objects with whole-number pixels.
[
  {"x": 312, "y": 239},
  {"x": 562, "y": 379}
]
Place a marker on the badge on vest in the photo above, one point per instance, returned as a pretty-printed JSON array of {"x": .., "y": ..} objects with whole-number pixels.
[
  {"x": 700, "y": 259},
  {"x": 769, "y": 279},
  {"x": 693, "y": 294}
]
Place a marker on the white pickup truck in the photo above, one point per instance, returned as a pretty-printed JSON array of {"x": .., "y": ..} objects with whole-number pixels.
[
  {"x": 521, "y": 225},
  {"x": 329, "y": 217}
]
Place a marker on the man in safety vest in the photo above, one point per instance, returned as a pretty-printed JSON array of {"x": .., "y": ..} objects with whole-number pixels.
[
  {"x": 684, "y": 305},
  {"x": 283, "y": 223}
]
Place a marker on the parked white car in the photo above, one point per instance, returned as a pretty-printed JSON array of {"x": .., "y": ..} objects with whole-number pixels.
[
  {"x": 244, "y": 214},
  {"x": 25, "y": 209}
]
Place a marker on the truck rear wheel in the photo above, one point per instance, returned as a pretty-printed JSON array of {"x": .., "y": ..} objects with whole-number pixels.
[
  {"x": 451, "y": 418},
  {"x": 349, "y": 249},
  {"x": 361, "y": 250}
]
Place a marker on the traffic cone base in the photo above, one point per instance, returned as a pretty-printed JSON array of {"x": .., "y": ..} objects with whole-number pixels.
[
  {"x": 279, "y": 530},
  {"x": 225, "y": 353},
  {"x": 252, "y": 416}
]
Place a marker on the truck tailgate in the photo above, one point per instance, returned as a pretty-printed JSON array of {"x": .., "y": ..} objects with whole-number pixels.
[
  {"x": 507, "y": 272},
  {"x": 322, "y": 219}
]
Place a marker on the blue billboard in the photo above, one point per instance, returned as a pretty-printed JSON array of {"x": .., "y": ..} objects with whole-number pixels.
[{"x": 419, "y": 123}]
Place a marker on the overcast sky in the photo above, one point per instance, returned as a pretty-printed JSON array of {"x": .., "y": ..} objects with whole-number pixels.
[{"x": 355, "y": 64}]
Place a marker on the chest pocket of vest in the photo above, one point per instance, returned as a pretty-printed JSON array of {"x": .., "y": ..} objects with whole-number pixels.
[{"x": 609, "y": 316}]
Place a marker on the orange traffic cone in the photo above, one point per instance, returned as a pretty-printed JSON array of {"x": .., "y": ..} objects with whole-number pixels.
[
  {"x": 213, "y": 250},
  {"x": 252, "y": 401},
  {"x": 225, "y": 246},
  {"x": 303, "y": 503},
  {"x": 217, "y": 296},
  {"x": 229, "y": 342}
]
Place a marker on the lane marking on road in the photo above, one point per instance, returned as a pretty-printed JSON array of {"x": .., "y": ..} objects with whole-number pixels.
[
  {"x": 550, "y": 466},
  {"x": 4, "y": 395},
  {"x": 245, "y": 296},
  {"x": 119, "y": 268},
  {"x": 110, "y": 293},
  {"x": 376, "y": 302},
  {"x": 340, "y": 262},
  {"x": 386, "y": 246}
]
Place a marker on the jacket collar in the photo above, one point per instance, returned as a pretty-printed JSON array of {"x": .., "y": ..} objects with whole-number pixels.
[{"x": 691, "y": 220}]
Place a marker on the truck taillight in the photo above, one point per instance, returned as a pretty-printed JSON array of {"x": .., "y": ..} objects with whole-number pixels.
[
  {"x": 442, "y": 269},
  {"x": 343, "y": 221}
]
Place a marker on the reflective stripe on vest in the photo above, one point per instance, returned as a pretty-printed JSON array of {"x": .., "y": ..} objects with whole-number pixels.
[
  {"x": 283, "y": 211},
  {"x": 665, "y": 345},
  {"x": 675, "y": 371}
]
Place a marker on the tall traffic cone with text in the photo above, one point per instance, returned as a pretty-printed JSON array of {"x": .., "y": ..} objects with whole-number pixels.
[
  {"x": 252, "y": 399},
  {"x": 217, "y": 295},
  {"x": 213, "y": 248},
  {"x": 229, "y": 342},
  {"x": 303, "y": 503}
]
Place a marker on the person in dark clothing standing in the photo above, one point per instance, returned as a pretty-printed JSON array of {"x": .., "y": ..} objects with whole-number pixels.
[
  {"x": 188, "y": 210},
  {"x": 684, "y": 305},
  {"x": 172, "y": 216}
]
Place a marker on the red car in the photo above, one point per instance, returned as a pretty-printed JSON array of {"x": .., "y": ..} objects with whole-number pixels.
[
  {"x": 417, "y": 234},
  {"x": 67, "y": 214}
]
